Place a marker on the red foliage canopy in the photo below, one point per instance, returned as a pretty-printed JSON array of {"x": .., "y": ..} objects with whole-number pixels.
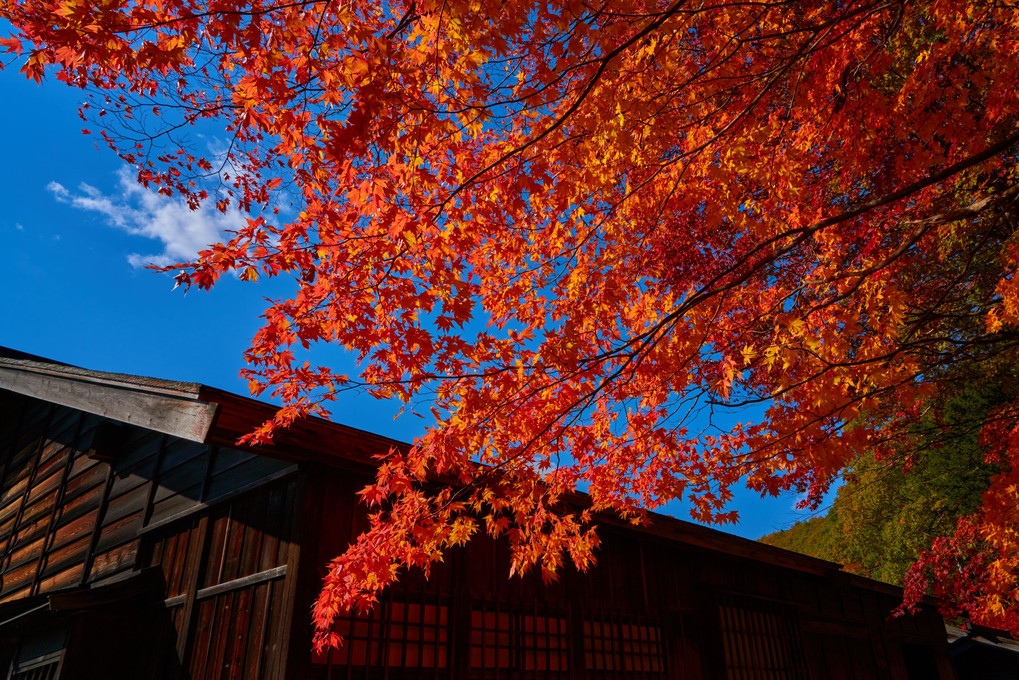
[{"x": 577, "y": 229}]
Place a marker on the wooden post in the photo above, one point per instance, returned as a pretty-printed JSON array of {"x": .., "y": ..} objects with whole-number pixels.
[{"x": 302, "y": 573}]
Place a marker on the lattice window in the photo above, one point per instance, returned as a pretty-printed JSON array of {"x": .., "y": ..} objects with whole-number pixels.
[
  {"x": 762, "y": 640},
  {"x": 612, "y": 645},
  {"x": 44, "y": 671},
  {"x": 512, "y": 640},
  {"x": 38, "y": 657},
  {"x": 395, "y": 635}
]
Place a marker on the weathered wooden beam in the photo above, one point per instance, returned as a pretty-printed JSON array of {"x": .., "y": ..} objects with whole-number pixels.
[
  {"x": 180, "y": 415},
  {"x": 243, "y": 582}
]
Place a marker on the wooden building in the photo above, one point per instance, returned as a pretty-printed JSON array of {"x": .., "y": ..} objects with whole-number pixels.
[{"x": 140, "y": 542}]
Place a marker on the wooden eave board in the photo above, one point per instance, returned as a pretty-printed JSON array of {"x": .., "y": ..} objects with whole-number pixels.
[
  {"x": 16, "y": 611},
  {"x": 308, "y": 439},
  {"x": 146, "y": 582},
  {"x": 164, "y": 406}
]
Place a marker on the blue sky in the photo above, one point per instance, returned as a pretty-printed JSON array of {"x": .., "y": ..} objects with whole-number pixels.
[{"x": 76, "y": 231}]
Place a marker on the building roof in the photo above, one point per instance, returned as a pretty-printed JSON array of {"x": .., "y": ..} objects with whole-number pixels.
[
  {"x": 188, "y": 410},
  {"x": 200, "y": 413},
  {"x": 132, "y": 584}
]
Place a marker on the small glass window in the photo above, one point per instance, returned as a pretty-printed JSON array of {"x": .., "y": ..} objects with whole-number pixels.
[{"x": 39, "y": 656}]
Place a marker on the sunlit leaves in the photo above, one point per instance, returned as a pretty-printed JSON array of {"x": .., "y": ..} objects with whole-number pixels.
[{"x": 578, "y": 233}]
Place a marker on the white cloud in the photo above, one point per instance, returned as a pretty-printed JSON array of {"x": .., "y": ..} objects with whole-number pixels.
[
  {"x": 19, "y": 226},
  {"x": 143, "y": 212}
]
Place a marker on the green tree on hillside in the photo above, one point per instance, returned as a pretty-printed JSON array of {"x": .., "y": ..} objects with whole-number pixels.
[{"x": 890, "y": 509}]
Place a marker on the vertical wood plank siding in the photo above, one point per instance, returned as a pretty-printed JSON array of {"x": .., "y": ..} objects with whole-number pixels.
[
  {"x": 225, "y": 572},
  {"x": 650, "y": 609}
]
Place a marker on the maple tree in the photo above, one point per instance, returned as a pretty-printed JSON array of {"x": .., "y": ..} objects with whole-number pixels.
[{"x": 577, "y": 230}]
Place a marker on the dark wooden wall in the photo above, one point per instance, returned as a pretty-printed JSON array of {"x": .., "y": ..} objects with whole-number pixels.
[
  {"x": 651, "y": 608},
  {"x": 237, "y": 541},
  {"x": 85, "y": 502}
]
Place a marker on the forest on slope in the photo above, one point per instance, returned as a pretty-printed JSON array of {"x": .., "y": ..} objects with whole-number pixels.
[{"x": 890, "y": 509}]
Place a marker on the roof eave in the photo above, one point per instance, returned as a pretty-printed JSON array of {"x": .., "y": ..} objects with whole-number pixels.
[{"x": 164, "y": 406}]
